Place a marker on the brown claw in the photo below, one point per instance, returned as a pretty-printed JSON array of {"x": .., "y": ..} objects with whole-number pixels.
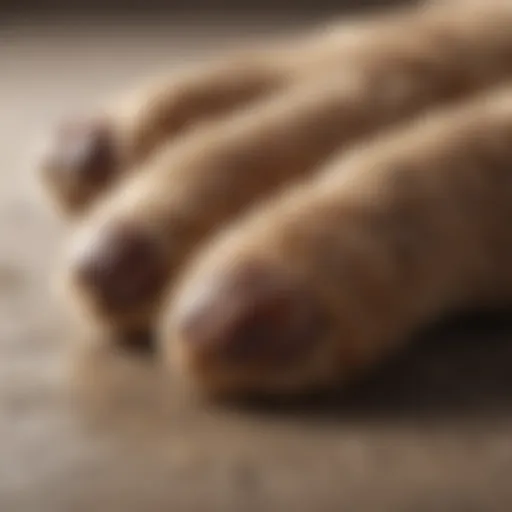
[
  {"x": 253, "y": 314},
  {"x": 81, "y": 159},
  {"x": 121, "y": 267}
]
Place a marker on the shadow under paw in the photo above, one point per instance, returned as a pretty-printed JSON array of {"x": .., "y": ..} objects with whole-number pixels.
[{"x": 461, "y": 367}]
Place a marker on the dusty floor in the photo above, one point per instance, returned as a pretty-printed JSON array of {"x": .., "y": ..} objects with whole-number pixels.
[{"x": 109, "y": 432}]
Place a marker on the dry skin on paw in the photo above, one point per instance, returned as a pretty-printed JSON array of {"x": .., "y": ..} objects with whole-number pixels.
[
  {"x": 325, "y": 280},
  {"x": 135, "y": 241},
  {"x": 448, "y": 50}
]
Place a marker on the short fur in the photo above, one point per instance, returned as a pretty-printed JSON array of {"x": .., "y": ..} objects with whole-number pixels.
[{"x": 386, "y": 239}]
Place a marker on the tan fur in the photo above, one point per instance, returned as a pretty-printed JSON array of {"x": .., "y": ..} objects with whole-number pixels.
[
  {"x": 169, "y": 106},
  {"x": 147, "y": 116},
  {"x": 388, "y": 238},
  {"x": 443, "y": 51},
  {"x": 189, "y": 189}
]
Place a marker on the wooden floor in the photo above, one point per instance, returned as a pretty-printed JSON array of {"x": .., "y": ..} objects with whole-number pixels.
[{"x": 107, "y": 432}]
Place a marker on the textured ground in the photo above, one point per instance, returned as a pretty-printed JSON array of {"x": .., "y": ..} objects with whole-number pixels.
[{"x": 109, "y": 432}]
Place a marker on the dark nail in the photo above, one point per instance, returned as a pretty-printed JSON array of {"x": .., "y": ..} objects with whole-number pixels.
[
  {"x": 122, "y": 267},
  {"x": 82, "y": 152},
  {"x": 256, "y": 313}
]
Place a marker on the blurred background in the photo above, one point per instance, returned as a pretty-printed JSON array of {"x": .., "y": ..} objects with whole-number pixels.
[
  {"x": 108, "y": 431},
  {"x": 171, "y": 7}
]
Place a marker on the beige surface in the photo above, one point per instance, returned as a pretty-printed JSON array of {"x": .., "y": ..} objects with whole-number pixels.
[{"x": 109, "y": 432}]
